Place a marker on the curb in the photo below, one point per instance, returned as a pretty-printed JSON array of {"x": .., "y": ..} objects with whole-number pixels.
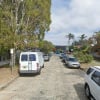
[{"x": 8, "y": 83}]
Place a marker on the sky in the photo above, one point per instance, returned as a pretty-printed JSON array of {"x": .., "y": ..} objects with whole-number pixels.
[{"x": 73, "y": 16}]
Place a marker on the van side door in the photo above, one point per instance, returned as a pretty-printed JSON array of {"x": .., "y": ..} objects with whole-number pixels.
[{"x": 95, "y": 85}]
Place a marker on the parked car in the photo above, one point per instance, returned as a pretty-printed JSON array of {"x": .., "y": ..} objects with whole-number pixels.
[
  {"x": 30, "y": 62},
  {"x": 46, "y": 57},
  {"x": 61, "y": 55},
  {"x": 72, "y": 62},
  {"x": 92, "y": 83},
  {"x": 64, "y": 58}
]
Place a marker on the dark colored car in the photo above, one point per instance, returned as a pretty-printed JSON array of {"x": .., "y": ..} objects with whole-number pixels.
[{"x": 64, "y": 58}]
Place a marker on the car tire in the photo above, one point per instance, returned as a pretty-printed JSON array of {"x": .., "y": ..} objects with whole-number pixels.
[
  {"x": 39, "y": 72},
  {"x": 87, "y": 91},
  {"x": 20, "y": 74},
  {"x": 91, "y": 98},
  {"x": 43, "y": 66},
  {"x": 79, "y": 67}
]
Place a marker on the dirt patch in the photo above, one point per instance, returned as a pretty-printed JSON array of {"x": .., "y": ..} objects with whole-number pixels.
[{"x": 6, "y": 75}]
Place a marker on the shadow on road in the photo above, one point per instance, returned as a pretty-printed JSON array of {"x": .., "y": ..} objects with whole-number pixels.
[
  {"x": 28, "y": 75},
  {"x": 80, "y": 91}
]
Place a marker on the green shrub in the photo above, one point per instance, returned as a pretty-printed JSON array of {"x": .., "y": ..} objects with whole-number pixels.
[{"x": 83, "y": 57}]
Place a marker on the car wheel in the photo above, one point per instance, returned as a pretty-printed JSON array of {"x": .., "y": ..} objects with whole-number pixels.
[
  {"x": 43, "y": 66},
  {"x": 91, "y": 98},
  {"x": 79, "y": 67},
  {"x": 87, "y": 91},
  {"x": 20, "y": 74},
  {"x": 39, "y": 72}
]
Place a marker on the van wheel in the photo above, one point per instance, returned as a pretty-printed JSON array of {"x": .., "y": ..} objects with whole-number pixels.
[{"x": 20, "y": 74}]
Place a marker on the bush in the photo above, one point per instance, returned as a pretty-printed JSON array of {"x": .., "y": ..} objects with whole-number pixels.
[
  {"x": 83, "y": 57},
  {"x": 86, "y": 58}
]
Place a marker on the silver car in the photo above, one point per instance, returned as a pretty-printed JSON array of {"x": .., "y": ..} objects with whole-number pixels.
[
  {"x": 72, "y": 62},
  {"x": 46, "y": 57}
]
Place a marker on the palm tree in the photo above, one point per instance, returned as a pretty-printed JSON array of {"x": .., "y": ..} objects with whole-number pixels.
[
  {"x": 69, "y": 36},
  {"x": 82, "y": 38},
  {"x": 97, "y": 37}
]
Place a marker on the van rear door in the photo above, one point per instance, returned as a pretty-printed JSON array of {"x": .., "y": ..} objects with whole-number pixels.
[
  {"x": 24, "y": 62},
  {"x": 32, "y": 64}
]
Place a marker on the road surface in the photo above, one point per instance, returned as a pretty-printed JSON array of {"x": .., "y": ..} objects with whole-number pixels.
[{"x": 56, "y": 82}]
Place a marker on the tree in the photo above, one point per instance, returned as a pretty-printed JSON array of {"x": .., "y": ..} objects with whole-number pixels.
[
  {"x": 96, "y": 43},
  {"x": 97, "y": 37},
  {"x": 46, "y": 46},
  {"x": 23, "y": 22},
  {"x": 82, "y": 39},
  {"x": 69, "y": 36}
]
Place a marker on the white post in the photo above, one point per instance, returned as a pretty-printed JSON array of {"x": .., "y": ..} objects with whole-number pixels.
[{"x": 12, "y": 59}]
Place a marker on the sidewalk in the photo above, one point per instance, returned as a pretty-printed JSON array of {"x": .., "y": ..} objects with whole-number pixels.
[{"x": 6, "y": 76}]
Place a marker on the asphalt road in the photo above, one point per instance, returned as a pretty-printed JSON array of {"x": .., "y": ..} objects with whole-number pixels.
[{"x": 56, "y": 82}]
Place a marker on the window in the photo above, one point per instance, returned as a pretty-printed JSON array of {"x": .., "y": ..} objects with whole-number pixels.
[
  {"x": 72, "y": 59},
  {"x": 24, "y": 57},
  {"x": 96, "y": 77},
  {"x": 32, "y": 57},
  {"x": 89, "y": 71}
]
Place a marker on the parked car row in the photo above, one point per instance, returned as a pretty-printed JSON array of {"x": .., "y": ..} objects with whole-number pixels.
[{"x": 70, "y": 60}]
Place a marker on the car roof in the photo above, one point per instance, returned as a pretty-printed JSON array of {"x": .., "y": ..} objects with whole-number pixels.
[
  {"x": 96, "y": 67},
  {"x": 28, "y": 52}
]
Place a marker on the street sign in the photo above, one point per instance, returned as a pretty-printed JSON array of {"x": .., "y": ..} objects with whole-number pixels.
[{"x": 12, "y": 51}]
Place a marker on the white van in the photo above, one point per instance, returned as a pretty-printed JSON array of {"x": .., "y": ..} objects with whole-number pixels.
[{"x": 31, "y": 62}]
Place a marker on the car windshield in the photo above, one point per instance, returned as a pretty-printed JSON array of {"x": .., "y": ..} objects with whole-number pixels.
[
  {"x": 62, "y": 54},
  {"x": 73, "y": 59}
]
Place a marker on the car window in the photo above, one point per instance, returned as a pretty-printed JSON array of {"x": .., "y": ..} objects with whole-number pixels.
[
  {"x": 45, "y": 55},
  {"x": 89, "y": 71},
  {"x": 72, "y": 59},
  {"x": 32, "y": 57},
  {"x": 24, "y": 57},
  {"x": 96, "y": 77},
  {"x": 62, "y": 54}
]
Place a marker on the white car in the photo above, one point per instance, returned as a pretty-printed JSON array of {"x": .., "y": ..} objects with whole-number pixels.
[{"x": 92, "y": 83}]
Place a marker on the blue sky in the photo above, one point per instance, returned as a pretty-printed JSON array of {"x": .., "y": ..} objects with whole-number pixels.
[{"x": 73, "y": 16}]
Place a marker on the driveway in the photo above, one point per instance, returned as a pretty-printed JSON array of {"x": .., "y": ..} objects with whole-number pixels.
[{"x": 56, "y": 82}]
